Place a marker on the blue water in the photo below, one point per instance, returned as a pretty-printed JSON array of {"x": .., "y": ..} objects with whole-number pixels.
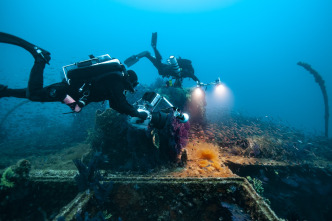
[{"x": 252, "y": 45}]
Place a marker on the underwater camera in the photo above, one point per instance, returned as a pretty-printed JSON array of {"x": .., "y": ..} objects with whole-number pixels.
[{"x": 157, "y": 119}]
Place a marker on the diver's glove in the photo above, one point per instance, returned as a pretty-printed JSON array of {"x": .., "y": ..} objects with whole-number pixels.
[{"x": 143, "y": 115}]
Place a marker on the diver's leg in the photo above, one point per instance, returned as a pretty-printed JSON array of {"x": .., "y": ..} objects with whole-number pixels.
[
  {"x": 36, "y": 81},
  {"x": 52, "y": 93},
  {"x": 7, "y": 92},
  {"x": 178, "y": 82},
  {"x": 157, "y": 54},
  {"x": 33, "y": 49},
  {"x": 36, "y": 91},
  {"x": 3, "y": 88},
  {"x": 18, "y": 93},
  {"x": 156, "y": 62},
  {"x": 135, "y": 58},
  {"x": 154, "y": 46}
]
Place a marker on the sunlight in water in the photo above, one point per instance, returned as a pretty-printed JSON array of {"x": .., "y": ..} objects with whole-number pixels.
[{"x": 178, "y": 6}]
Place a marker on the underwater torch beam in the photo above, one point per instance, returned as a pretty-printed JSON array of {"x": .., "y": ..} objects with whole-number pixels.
[{"x": 321, "y": 83}]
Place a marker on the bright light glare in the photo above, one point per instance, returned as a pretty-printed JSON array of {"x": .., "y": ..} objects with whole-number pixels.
[
  {"x": 198, "y": 93},
  {"x": 221, "y": 93},
  {"x": 219, "y": 89}
]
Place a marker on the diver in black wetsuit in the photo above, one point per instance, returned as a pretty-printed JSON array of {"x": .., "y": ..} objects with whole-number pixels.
[
  {"x": 183, "y": 70},
  {"x": 111, "y": 86}
]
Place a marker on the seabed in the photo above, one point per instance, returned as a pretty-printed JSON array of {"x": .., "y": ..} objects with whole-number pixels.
[
  {"x": 237, "y": 168},
  {"x": 187, "y": 193}
]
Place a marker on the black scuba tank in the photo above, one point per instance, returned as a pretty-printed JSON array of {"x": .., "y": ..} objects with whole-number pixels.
[{"x": 92, "y": 69}]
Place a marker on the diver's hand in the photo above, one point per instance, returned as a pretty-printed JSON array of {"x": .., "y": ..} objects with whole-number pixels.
[{"x": 143, "y": 115}]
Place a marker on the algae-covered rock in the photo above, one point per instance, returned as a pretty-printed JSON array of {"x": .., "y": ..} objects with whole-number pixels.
[
  {"x": 15, "y": 174},
  {"x": 110, "y": 131},
  {"x": 6, "y": 179}
]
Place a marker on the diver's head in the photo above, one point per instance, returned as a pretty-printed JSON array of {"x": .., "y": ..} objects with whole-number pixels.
[
  {"x": 132, "y": 80},
  {"x": 185, "y": 65}
]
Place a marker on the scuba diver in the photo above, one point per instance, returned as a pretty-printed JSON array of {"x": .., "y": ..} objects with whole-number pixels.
[
  {"x": 98, "y": 79},
  {"x": 176, "y": 68}
]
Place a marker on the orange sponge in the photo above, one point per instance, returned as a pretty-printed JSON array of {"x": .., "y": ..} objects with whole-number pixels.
[
  {"x": 203, "y": 163},
  {"x": 207, "y": 156}
]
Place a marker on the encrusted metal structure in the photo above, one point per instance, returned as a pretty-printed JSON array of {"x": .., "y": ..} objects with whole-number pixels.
[{"x": 161, "y": 197}]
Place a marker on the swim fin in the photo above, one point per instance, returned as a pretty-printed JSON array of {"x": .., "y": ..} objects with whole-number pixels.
[
  {"x": 37, "y": 52},
  {"x": 154, "y": 40},
  {"x": 131, "y": 60},
  {"x": 135, "y": 58}
]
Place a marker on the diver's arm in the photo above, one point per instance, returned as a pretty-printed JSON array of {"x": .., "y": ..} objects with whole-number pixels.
[
  {"x": 157, "y": 54},
  {"x": 195, "y": 78},
  {"x": 119, "y": 102},
  {"x": 186, "y": 74}
]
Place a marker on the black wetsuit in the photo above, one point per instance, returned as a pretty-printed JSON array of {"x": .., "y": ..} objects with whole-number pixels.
[
  {"x": 166, "y": 70},
  {"x": 110, "y": 87}
]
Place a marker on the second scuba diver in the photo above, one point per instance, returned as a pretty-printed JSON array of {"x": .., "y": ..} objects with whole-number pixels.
[{"x": 176, "y": 68}]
